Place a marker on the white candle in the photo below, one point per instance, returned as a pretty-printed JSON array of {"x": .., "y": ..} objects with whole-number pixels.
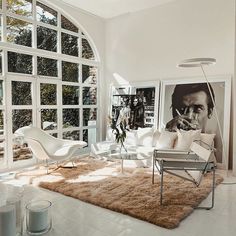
[
  {"x": 7, "y": 220},
  {"x": 38, "y": 218},
  {"x": 16, "y": 201}
]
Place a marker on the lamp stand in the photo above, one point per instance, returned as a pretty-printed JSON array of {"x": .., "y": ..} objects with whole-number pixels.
[{"x": 199, "y": 62}]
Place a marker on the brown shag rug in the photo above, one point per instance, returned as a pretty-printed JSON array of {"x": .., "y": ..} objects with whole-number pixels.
[{"x": 133, "y": 195}]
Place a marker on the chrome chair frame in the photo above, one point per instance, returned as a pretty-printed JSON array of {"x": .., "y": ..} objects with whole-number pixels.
[{"x": 173, "y": 160}]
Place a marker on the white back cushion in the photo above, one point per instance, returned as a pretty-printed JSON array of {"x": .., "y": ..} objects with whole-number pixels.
[
  {"x": 110, "y": 135},
  {"x": 131, "y": 138},
  {"x": 156, "y": 135},
  {"x": 185, "y": 139},
  {"x": 207, "y": 138},
  {"x": 145, "y": 136},
  {"x": 166, "y": 140}
]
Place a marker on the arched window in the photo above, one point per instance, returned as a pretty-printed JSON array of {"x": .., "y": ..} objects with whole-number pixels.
[{"x": 48, "y": 77}]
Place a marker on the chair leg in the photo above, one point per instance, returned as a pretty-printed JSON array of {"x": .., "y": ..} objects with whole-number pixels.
[
  {"x": 153, "y": 168},
  {"x": 212, "y": 194},
  {"x": 47, "y": 166},
  {"x": 161, "y": 187},
  {"x": 73, "y": 164}
]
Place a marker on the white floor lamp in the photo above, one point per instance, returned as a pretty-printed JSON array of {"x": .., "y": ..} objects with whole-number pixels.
[{"x": 200, "y": 62}]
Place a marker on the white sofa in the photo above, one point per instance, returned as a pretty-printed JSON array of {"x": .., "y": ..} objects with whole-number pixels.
[{"x": 145, "y": 140}]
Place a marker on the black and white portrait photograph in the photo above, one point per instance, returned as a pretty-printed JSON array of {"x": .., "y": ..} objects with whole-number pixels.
[
  {"x": 136, "y": 105},
  {"x": 190, "y": 106}
]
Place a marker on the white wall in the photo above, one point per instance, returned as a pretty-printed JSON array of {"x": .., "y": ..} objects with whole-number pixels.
[{"x": 147, "y": 45}]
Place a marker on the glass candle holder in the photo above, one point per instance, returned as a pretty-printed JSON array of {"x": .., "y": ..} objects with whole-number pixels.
[
  {"x": 8, "y": 220},
  {"x": 38, "y": 217},
  {"x": 16, "y": 201}
]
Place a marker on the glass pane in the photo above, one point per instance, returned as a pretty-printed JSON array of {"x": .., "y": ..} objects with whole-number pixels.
[
  {"x": 1, "y": 92},
  {"x": 69, "y": 44},
  {"x": 47, "y": 67},
  {"x": 19, "y": 63},
  {"x": 54, "y": 135},
  {"x": 72, "y": 135},
  {"x": 70, "y": 95},
  {"x": 46, "y": 39},
  {"x": 1, "y": 122},
  {"x": 0, "y": 27},
  {"x": 89, "y": 136},
  {"x": 66, "y": 24},
  {"x": 20, "y": 7},
  {"x": 21, "y": 118},
  {"x": 70, "y": 118},
  {"x": 19, "y": 32},
  {"x": 46, "y": 14},
  {"x": 21, "y": 93},
  {"x": 70, "y": 71},
  {"x": 87, "y": 51},
  {"x": 21, "y": 151},
  {"x": 0, "y": 4},
  {"x": 2, "y": 150},
  {"x": 89, "y": 116},
  {"x": 48, "y": 119},
  {"x": 89, "y": 96},
  {"x": 0, "y": 63},
  {"x": 89, "y": 74},
  {"x": 48, "y": 94}
]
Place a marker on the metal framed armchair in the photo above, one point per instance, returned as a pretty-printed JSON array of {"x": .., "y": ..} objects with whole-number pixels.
[{"x": 189, "y": 165}]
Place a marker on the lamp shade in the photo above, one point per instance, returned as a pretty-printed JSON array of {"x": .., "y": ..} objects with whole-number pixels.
[{"x": 196, "y": 62}]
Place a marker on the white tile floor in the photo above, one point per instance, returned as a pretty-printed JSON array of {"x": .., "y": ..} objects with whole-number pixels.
[{"x": 72, "y": 217}]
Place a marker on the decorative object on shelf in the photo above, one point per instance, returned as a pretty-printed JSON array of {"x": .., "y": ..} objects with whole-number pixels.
[
  {"x": 119, "y": 128},
  {"x": 38, "y": 217}
]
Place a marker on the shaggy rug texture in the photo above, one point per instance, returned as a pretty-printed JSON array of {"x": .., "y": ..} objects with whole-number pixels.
[{"x": 133, "y": 195}]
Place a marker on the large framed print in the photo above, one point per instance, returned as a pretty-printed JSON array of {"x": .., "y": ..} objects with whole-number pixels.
[
  {"x": 186, "y": 104},
  {"x": 137, "y": 102}
]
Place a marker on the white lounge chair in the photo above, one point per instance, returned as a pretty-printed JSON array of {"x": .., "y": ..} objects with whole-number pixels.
[{"x": 46, "y": 147}]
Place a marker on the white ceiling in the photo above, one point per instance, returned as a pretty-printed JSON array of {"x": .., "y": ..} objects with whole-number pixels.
[{"x": 112, "y": 8}]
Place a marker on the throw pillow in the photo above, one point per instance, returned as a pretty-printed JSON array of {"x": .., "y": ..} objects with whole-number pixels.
[
  {"x": 145, "y": 136},
  {"x": 131, "y": 138},
  {"x": 166, "y": 140},
  {"x": 185, "y": 139},
  {"x": 110, "y": 136},
  {"x": 156, "y": 136},
  {"x": 207, "y": 138}
]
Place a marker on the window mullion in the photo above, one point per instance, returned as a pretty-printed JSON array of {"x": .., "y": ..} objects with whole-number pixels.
[
  {"x": 8, "y": 94},
  {"x": 4, "y": 23},
  {"x": 59, "y": 33},
  {"x": 34, "y": 33},
  {"x": 59, "y": 110}
]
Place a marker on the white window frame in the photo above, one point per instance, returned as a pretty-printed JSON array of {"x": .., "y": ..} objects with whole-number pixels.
[{"x": 7, "y": 77}]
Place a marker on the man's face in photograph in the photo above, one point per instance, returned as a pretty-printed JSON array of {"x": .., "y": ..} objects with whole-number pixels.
[{"x": 195, "y": 106}]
